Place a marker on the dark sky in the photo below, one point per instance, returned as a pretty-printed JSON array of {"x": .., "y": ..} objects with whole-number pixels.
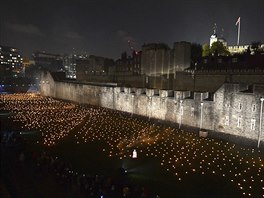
[{"x": 102, "y": 27}]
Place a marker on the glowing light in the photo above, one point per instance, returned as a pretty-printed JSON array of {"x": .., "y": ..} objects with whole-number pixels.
[{"x": 134, "y": 155}]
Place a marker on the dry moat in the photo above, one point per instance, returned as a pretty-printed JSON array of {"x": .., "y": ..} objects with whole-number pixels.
[{"x": 98, "y": 141}]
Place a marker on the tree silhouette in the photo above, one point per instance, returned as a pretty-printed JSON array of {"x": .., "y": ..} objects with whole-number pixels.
[
  {"x": 218, "y": 49},
  {"x": 255, "y": 46},
  {"x": 206, "y": 50}
]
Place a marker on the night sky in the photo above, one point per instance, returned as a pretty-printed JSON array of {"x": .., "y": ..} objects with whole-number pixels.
[{"x": 102, "y": 27}]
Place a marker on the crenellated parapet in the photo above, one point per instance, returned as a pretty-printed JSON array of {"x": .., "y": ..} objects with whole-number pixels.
[{"x": 233, "y": 109}]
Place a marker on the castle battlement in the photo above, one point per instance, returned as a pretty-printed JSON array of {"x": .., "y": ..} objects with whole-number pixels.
[{"x": 233, "y": 109}]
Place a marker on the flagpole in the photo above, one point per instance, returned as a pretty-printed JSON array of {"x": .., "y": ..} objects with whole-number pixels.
[{"x": 238, "y": 33}]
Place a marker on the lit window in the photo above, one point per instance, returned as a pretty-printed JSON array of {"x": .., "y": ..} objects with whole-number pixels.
[
  {"x": 253, "y": 124},
  {"x": 227, "y": 120},
  {"x": 253, "y": 107}
]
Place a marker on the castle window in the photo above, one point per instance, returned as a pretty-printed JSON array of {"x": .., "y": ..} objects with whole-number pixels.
[
  {"x": 239, "y": 106},
  {"x": 253, "y": 124},
  {"x": 227, "y": 120},
  {"x": 253, "y": 107},
  {"x": 192, "y": 111},
  {"x": 227, "y": 105},
  {"x": 239, "y": 122}
]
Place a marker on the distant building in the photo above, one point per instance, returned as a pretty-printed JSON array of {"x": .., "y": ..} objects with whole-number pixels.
[
  {"x": 99, "y": 65},
  {"x": 51, "y": 62},
  {"x": 93, "y": 66},
  {"x": 239, "y": 49},
  {"x": 233, "y": 49},
  {"x": 31, "y": 69},
  {"x": 158, "y": 59},
  {"x": 81, "y": 68},
  {"x": 70, "y": 62},
  {"x": 155, "y": 59},
  {"x": 11, "y": 62},
  {"x": 237, "y": 62},
  {"x": 181, "y": 56},
  {"x": 128, "y": 65},
  {"x": 28, "y": 62},
  {"x": 214, "y": 38},
  {"x": 69, "y": 65}
]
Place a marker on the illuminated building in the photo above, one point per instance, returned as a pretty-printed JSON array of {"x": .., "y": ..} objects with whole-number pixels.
[
  {"x": 11, "y": 62},
  {"x": 128, "y": 65},
  {"x": 214, "y": 38},
  {"x": 158, "y": 59},
  {"x": 93, "y": 67},
  {"x": 155, "y": 59},
  {"x": 234, "y": 49},
  {"x": 70, "y": 62}
]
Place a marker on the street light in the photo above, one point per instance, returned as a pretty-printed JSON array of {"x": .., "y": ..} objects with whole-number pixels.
[
  {"x": 260, "y": 120},
  {"x": 181, "y": 112},
  {"x": 132, "y": 105},
  {"x": 201, "y": 121}
]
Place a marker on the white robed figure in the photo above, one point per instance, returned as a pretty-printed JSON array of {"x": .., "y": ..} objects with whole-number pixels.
[{"x": 134, "y": 155}]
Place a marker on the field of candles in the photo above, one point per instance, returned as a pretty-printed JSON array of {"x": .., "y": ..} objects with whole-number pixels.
[{"x": 95, "y": 139}]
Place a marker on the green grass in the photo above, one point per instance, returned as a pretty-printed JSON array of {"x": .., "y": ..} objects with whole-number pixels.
[
  {"x": 144, "y": 171},
  {"x": 171, "y": 162}
]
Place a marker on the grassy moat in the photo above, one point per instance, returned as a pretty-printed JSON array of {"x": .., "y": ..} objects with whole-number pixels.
[{"x": 171, "y": 162}]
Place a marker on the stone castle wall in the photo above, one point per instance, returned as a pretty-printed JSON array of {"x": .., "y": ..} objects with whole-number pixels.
[{"x": 233, "y": 109}]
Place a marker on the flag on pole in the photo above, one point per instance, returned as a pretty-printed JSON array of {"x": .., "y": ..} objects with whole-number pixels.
[
  {"x": 238, "y": 29},
  {"x": 238, "y": 21}
]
